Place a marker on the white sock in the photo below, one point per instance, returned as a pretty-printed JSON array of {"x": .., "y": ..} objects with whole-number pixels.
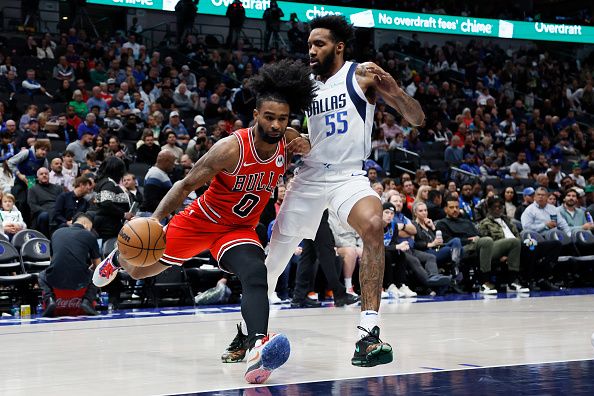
[
  {"x": 368, "y": 321},
  {"x": 244, "y": 329},
  {"x": 348, "y": 283}
]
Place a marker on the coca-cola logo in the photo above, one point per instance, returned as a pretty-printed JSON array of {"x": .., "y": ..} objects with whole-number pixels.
[{"x": 68, "y": 303}]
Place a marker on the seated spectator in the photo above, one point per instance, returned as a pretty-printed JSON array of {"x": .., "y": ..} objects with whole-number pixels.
[
  {"x": 117, "y": 149},
  {"x": 78, "y": 105},
  {"x": 576, "y": 175},
  {"x": 427, "y": 241},
  {"x": 572, "y": 214},
  {"x": 453, "y": 153},
  {"x": 506, "y": 238},
  {"x": 131, "y": 129},
  {"x": 434, "y": 209},
  {"x": 31, "y": 112},
  {"x": 147, "y": 152},
  {"x": 527, "y": 200},
  {"x": 12, "y": 219},
  {"x": 157, "y": 182},
  {"x": 42, "y": 199},
  {"x": 171, "y": 145},
  {"x": 69, "y": 168},
  {"x": 348, "y": 245},
  {"x": 130, "y": 184},
  {"x": 197, "y": 145},
  {"x": 70, "y": 268},
  {"x": 31, "y": 86},
  {"x": 182, "y": 99},
  {"x": 6, "y": 178},
  {"x": 69, "y": 204},
  {"x": 82, "y": 146},
  {"x": 25, "y": 139},
  {"x": 510, "y": 202},
  {"x": 468, "y": 202},
  {"x": 97, "y": 100},
  {"x": 113, "y": 205},
  {"x": 520, "y": 169},
  {"x": 25, "y": 165},
  {"x": 7, "y": 149},
  {"x": 63, "y": 70},
  {"x": 395, "y": 268},
  {"x": 56, "y": 176},
  {"x": 10, "y": 84},
  {"x": 65, "y": 131},
  {"x": 541, "y": 217},
  {"x": 456, "y": 226},
  {"x": 89, "y": 125},
  {"x": 177, "y": 126}
]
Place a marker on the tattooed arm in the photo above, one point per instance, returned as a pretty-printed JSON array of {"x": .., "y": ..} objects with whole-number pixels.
[
  {"x": 224, "y": 155},
  {"x": 373, "y": 79}
]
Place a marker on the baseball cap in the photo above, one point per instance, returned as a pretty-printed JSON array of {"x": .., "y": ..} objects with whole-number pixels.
[
  {"x": 528, "y": 191},
  {"x": 32, "y": 120},
  {"x": 389, "y": 206},
  {"x": 556, "y": 162},
  {"x": 185, "y": 67},
  {"x": 199, "y": 120},
  {"x": 589, "y": 188},
  {"x": 173, "y": 114},
  {"x": 111, "y": 81},
  {"x": 576, "y": 166}
]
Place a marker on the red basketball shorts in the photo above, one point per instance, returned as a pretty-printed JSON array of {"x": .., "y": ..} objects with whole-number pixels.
[{"x": 188, "y": 236}]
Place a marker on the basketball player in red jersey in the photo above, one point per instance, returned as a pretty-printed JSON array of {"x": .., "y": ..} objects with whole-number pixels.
[{"x": 244, "y": 169}]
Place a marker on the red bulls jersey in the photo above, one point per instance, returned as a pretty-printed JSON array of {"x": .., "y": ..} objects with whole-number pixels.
[{"x": 239, "y": 197}]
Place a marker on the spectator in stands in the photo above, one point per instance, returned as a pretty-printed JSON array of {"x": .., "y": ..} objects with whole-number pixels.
[
  {"x": 89, "y": 126},
  {"x": 131, "y": 129},
  {"x": 188, "y": 78},
  {"x": 72, "y": 247},
  {"x": 510, "y": 202},
  {"x": 82, "y": 146},
  {"x": 24, "y": 166},
  {"x": 572, "y": 213},
  {"x": 31, "y": 86},
  {"x": 171, "y": 145},
  {"x": 408, "y": 189},
  {"x": 541, "y": 217},
  {"x": 7, "y": 148},
  {"x": 520, "y": 169},
  {"x": 30, "y": 113},
  {"x": 80, "y": 107},
  {"x": 69, "y": 204},
  {"x": 56, "y": 176},
  {"x": 10, "y": 84},
  {"x": 63, "y": 70},
  {"x": 65, "y": 131},
  {"x": 26, "y": 138},
  {"x": 113, "y": 205},
  {"x": 42, "y": 199},
  {"x": 166, "y": 99},
  {"x": 117, "y": 149},
  {"x": 427, "y": 241},
  {"x": 182, "y": 99},
  {"x": 434, "y": 209},
  {"x": 453, "y": 153},
  {"x": 468, "y": 202},
  {"x": 456, "y": 226},
  {"x": 506, "y": 238},
  {"x": 272, "y": 16},
  {"x": 236, "y": 15},
  {"x": 149, "y": 149},
  {"x": 157, "y": 182},
  {"x": 576, "y": 175},
  {"x": 130, "y": 183},
  {"x": 12, "y": 219},
  {"x": 97, "y": 100}
]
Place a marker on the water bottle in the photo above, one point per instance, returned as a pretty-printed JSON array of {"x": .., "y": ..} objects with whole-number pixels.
[
  {"x": 39, "y": 308},
  {"x": 109, "y": 308},
  {"x": 104, "y": 299},
  {"x": 589, "y": 217},
  {"x": 438, "y": 235}
]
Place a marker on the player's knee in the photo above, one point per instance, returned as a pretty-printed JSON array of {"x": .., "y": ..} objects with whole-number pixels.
[
  {"x": 256, "y": 275},
  {"x": 373, "y": 230}
]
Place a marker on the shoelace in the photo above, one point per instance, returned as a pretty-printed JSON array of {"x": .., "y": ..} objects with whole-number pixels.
[
  {"x": 370, "y": 334},
  {"x": 107, "y": 270}
]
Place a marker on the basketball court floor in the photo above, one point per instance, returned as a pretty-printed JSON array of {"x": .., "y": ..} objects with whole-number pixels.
[{"x": 464, "y": 345}]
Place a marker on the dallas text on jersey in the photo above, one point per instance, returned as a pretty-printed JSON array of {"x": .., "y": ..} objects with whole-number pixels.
[{"x": 326, "y": 104}]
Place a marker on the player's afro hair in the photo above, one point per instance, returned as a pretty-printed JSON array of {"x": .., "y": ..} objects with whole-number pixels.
[
  {"x": 341, "y": 30},
  {"x": 286, "y": 82}
]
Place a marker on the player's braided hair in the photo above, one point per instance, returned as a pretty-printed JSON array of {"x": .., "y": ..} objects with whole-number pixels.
[
  {"x": 286, "y": 82},
  {"x": 341, "y": 30}
]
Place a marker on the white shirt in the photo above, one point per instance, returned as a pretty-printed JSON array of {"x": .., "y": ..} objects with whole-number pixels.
[
  {"x": 521, "y": 170},
  {"x": 506, "y": 231}
]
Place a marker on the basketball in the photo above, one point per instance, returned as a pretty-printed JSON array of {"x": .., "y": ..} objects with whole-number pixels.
[{"x": 141, "y": 241}]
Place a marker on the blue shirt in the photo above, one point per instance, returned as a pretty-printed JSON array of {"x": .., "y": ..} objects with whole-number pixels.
[
  {"x": 399, "y": 218},
  {"x": 93, "y": 101},
  {"x": 534, "y": 218},
  {"x": 83, "y": 127}
]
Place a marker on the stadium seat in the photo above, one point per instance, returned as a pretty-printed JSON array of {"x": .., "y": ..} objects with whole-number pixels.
[
  {"x": 172, "y": 283},
  {"x": 584, "y": 243},
  {"x": 15, "y": 283},
  {"x": 139, "y": 170},
  {"x": 558, "y": 235},
  {"x": 35, "y": 254},
  {"x": 23, "y": 236}
]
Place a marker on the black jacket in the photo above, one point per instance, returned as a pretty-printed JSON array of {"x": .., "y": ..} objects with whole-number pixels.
[
  {"x": 112, "y": 204},
  {"x": 457, "y": 228},
  {"x": 67, "y": 206}
]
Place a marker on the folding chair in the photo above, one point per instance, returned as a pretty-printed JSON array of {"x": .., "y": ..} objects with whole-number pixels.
[
  {"x": 23, "y": 236},
  {"x": 35, "y": 254}
]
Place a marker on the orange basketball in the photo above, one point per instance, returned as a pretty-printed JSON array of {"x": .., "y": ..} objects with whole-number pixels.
[{"x": 141, "y": 241}]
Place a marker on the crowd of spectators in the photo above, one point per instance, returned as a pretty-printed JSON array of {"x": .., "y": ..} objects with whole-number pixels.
[{"x": 111, "y": 122}]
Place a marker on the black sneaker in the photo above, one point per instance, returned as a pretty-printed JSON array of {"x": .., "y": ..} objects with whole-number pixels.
[
  {"x": 87, "y": 307},
  {"x": 347, "y": 299},
  {"x": 50, "y": 307},
  {"x": 306, "y": 303},
  {"x": 371, "y": 351},
  {"x": 236, "y": 351}
]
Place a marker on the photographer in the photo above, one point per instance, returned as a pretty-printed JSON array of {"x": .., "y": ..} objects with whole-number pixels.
[
  {"x": 236, "y": 15},
  {"x": 272, "y": 16}
]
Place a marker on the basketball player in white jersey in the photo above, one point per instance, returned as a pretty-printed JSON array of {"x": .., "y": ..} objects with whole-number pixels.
[{"x": 340, "y": 120}]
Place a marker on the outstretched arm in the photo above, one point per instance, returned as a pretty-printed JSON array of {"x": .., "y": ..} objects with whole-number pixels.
[
  {"x": 372, "y": 77},
  {"x": 224, "y": 155}
]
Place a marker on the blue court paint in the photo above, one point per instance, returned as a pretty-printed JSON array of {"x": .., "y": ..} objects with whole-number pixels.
[
  {"x": 469, "y": 365},
  {"x": 564, "y": 378},
  {"x": 431, "y": 368}
]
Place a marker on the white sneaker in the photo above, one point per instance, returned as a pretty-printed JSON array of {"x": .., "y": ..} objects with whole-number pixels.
[
  {"x": 385, "y": 295},
  {"x": 274, "y": 299},
  {"x": 405, "y": 292},
  {"x": 517, "y": 288},
  {"x": 393, "y": 291},
  {"x": 351, "y": 291},
  {"x": 486, "y": 289},
  {"x": 106, "y": 271},
  {"x": 267, "y": 355}
]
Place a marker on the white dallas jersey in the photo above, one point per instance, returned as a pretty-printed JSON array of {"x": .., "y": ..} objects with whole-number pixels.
[{"x": 339, "y": 120}]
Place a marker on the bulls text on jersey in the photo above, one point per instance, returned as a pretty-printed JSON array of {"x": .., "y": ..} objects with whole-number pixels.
[{"x": 253, "y": 182}]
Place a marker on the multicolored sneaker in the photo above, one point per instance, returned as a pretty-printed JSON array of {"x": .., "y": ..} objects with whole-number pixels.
[
  {"x": 106, "y": 271},
  {"x": 236, "y": 351},
  {"x": 370, "y": 350},
  {"x": 267, "y": 355}
]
